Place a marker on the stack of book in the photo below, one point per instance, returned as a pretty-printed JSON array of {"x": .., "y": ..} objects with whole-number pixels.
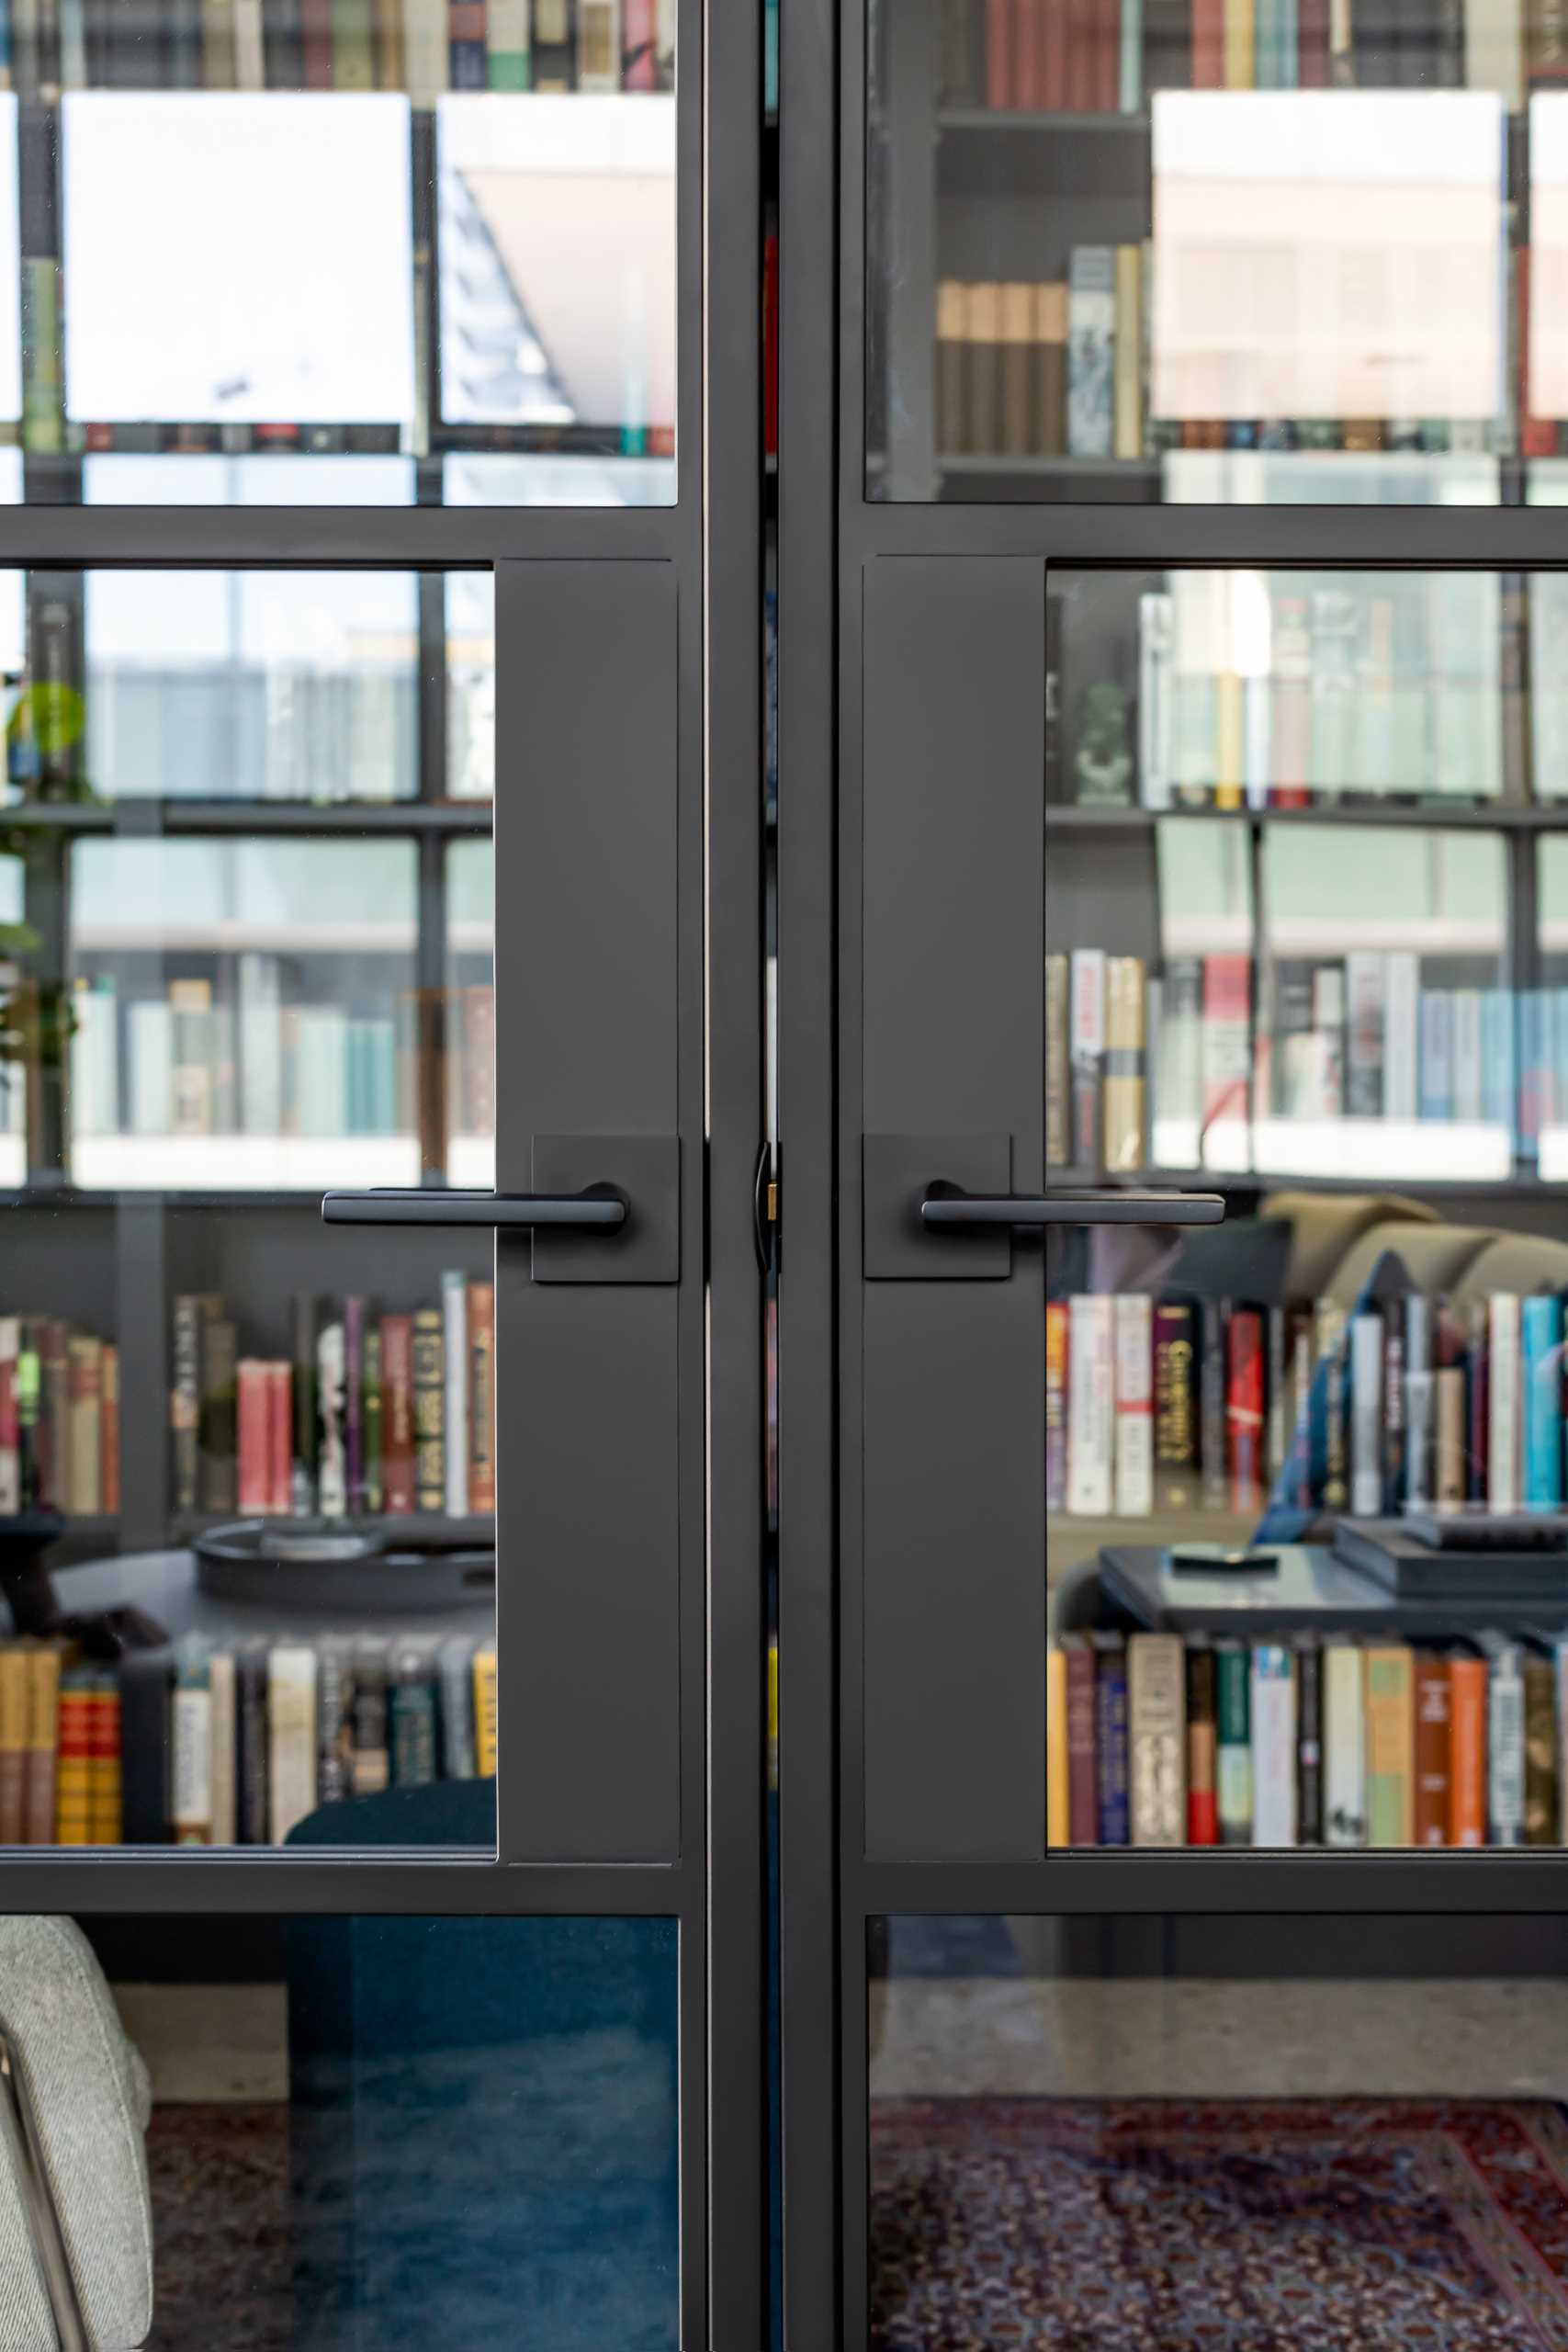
[
  {"x": 1106, "y": 56},
  {"x": 1199, "y": 1066},
  {"x": 59, "y": 1419},
  {"x": 374, "y": 1414},
  {"x": 422, "y": 46},
  {"x": 1182, "y": 1404},
  {"x": 1047, "y": 369},
  {"x": 227, "y": 1744},
  {"x": 1154, "y": 1740}
]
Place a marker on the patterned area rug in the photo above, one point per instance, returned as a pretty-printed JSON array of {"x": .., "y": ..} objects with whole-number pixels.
[
  {"x": 223, "y": 2266},
  {"x": 1155, "y": 2225}
]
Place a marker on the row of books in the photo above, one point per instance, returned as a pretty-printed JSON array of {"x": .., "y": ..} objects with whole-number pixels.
[
  {"x": 231, "y": 1056},
  {"x": 373, "y": 1415},
  {"x": 1154, "y": 1740},
  {"x": 1045, "y": 369},
  {"x": 420, "y": 46},
  {"x": 1182, "y": 1402},
  {"x": 1186, "y": 1067},
  {"x": 1107, "y": 56},
  {"x": 221, "y": 1744},
  {"x": 1272, "y": 690},
  {"x": 59, "y": 1419}
]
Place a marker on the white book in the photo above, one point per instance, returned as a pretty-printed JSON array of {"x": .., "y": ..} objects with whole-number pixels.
[
  {"x": 668, "y": 12},
  {"x": 1344, "y": 1746},
  {"x": 332, "y": 1397},
  {"x": 190, "y": 1741},
  {"x": 1402, "y": 987},
  {"x": 1157, "y": 746},
  {"x": 455, "y": 1364},
  {"x": 1134, "y": 1405},
  {"x": 1365, "y": 991},
  {"x": 291, "y": 1737},
  {"x": 1091, "y": 1406},
  {"x": 95, "y": 1060},
  {"x": 1328, "y": 1027},
  {"x": 323, "y": 1070},
  {"x": 1091, "y": 338},
  {"x": 250, "y": 53},
  {"x": 1273, "y": 1746},
  {"x": 1495, "y": 50},
  {"x": 425, "y": 58},
  {"x": 1366, "y": 1415},
  {"x": 1468, "y": 1063},
  {"x": 221, "y": 1766},
  {"x": 1504, "y": 1742},
  {"x": 1503, "y": 1400},
  {"x": 261, "y": 1044},
  {"x": 151, "y": 1033}
]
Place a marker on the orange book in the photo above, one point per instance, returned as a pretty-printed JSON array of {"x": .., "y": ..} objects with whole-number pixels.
[
  {"x": 481, "y": 1397},
  {"x": 43, "y": 1735},
  {"x": 74, "y": 1758},
  {"x": 1467, "y": 1751},
  {"x": 104, "y": 1817},
  {"x": 1433, "y": 1722}
]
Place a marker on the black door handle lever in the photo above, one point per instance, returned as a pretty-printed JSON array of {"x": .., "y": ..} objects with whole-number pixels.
[
  {"x": 945, "y": 1206},
  {"x": 600, "y": 1206}
]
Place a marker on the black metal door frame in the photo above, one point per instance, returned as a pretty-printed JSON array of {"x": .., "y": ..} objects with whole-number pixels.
[
  {"x": 834, "y": 545},
  {"x": 689, "y": 1842}
]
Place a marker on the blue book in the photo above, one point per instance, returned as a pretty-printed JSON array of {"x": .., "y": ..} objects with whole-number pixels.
[
  {"x": 1531, "y": 1066},
  {"x": 1436, "y": 1096},
  {"x": 1497, "y": 1101},
  {"x": 1266, "y": 46},
  {"x": 1288, "y": 52},
  {"x": 1540, "y": 1347},
  {"x": 1110, "y": 1738}
]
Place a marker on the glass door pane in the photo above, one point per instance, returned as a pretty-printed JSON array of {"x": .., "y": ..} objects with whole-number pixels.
[
  {"x": 1194, "y": 2131},
  {"x": 340, "y": 259},
  {"x": 1197, "y": 255},
  {"x": 1294, "y": 829},
  {"x": 248, "y": 1462}
]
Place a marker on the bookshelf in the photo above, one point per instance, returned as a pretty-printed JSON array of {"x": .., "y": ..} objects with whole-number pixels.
[{"x": 985, "y": 190}]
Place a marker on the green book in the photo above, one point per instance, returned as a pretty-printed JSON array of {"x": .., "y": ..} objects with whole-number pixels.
[{"x": 1232, "y": 1755}]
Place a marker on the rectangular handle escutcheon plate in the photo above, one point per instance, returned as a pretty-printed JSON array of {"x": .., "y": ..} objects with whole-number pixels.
[{"x": 645, "y": 1171}]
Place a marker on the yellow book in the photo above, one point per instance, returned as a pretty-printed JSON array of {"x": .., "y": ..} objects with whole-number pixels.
[
  {"x": 772, "y": 1714},
  {"x": 13, "y": 1742},
  {"x": 73, "y": 1798},
  {"x": 1056, "y": 1830},
  {"x": 105, "y": 1818},
  {"x": 1129, "y": 351},
  {"x": 1230, "y": 739},
  {"x": 43, "y": 1731},
  {"x": 1241, "y": 44},
  {"x": 1391, "y": 1746},
  {"x": 484, "y": 1712}
]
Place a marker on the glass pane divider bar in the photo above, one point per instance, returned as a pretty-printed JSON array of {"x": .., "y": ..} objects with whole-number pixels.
[
  {"x": 1485, "y": 1882},
  {"x": 344, "y": 1880},
  {"x": 233, "y": 538},
  {"x": 1472, "y": 539}
]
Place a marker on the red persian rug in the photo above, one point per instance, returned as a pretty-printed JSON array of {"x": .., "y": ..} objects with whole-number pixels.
[{"x": 1157, "y": 2225}]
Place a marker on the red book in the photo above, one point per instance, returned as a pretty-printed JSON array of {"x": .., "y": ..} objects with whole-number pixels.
[
  {"x": 280, "y": 1436},
  {"x": 1027, "y": 61},
  {"x": 1202, "y": 1732},
  {"x": 1083, "y": 1785},
  {"x": 108, "y": 1436},
  {"x": 1537, "y": 435},
  {"x": 396, "y": 1415},
  {"x": 1311, "y": 44},
  {"x": 316, "y": 31},
  {"x": 640, "y": 45},
  {"x": 1208, "y": 44},
  {"x": 1107, "y": 56},
  {"x": 1082, "y": 76},
  {"x": 255, "y": 1490},
  {"x": 1054, "y": 46},
  {"x": 1227, "y": 1036},
  {"x": 1243, "y": 1408},
  {"x": 1000, "y": 86}
]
